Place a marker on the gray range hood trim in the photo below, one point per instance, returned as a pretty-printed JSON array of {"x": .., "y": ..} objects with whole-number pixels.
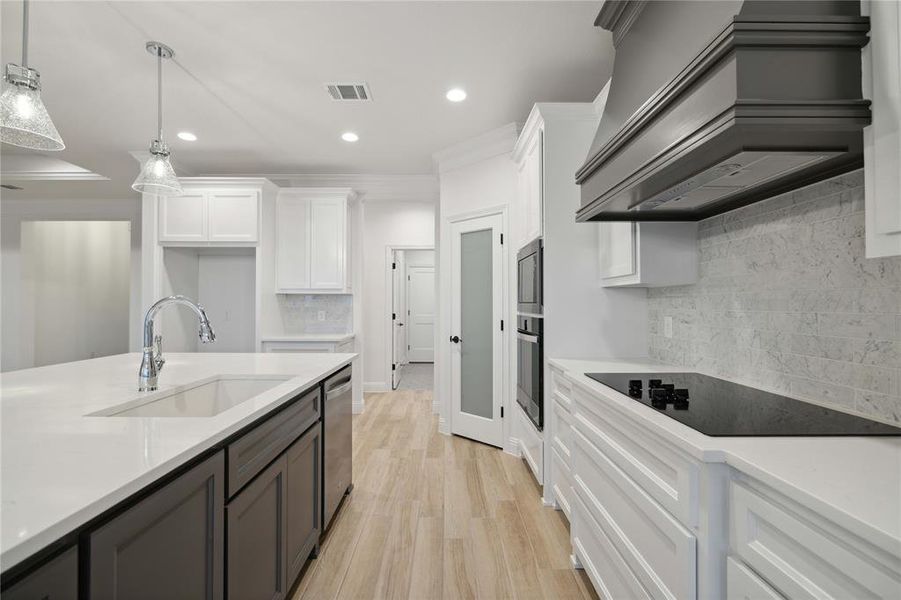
[{"x": 745, "y": 116}]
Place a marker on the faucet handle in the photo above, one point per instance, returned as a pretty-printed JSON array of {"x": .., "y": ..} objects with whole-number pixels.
[{"x": 158, "y": 352}]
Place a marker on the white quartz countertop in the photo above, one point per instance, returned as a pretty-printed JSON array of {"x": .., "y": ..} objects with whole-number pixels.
[
  {"x": 61, "y": 468},
  {"x": 308, "y": 337},
  {"x": 854, "y": 481}
]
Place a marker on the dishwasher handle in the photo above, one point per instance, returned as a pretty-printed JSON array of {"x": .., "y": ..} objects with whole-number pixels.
[{"x": 338, "y": 390}]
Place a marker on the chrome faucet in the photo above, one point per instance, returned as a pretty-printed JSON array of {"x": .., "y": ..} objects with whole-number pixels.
[{"x": 153, "y": 361}]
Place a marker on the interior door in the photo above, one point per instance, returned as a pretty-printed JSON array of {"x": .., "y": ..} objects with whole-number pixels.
[
  {"x": 398, "y": 344},
  {"x": 420, "y": 314},
  {"x": 477, "y": 290}
]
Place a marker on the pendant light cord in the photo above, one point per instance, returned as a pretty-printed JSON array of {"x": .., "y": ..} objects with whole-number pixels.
[
  {"x": 159, "y": 92},
  {"x": 25, "y": 33}
]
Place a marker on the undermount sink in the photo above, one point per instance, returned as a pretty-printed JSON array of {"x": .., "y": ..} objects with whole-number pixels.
[{"x": 203, "y": 399}]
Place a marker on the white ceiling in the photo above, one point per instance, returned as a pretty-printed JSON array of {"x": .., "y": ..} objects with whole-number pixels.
[{"x": 249, "y": 80}]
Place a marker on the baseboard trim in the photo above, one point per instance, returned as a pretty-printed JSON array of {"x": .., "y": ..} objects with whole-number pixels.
[
  {"x": 442, "y": 426},
  {"x": 358, "y": 407},
  {"x": 512, "y": 447},
  {"x": 376, "y": 386}
]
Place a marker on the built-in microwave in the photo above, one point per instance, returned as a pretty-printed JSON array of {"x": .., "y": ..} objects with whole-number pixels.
[{"x": 528, "y": 279}]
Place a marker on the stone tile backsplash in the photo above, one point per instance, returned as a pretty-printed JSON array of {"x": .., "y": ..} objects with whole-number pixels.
[
  {"x": 300, "y": 314},
  {"x": 787, "y": 301}
]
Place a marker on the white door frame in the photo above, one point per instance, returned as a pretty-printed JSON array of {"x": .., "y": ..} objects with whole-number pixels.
[
  {"x": 389, "y": 291},
  {"x": 446, "y": 323}
]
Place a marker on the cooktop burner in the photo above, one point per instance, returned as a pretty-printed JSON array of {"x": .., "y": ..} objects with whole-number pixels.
[{"x": 717, "y": 407}]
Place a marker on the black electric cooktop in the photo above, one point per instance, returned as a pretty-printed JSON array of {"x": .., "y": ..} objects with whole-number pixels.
[{"x": 717, "y": 407}]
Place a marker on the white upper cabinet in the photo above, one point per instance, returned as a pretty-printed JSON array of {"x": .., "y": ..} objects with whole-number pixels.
[
  {"x": 530, "y": 189},
  {"x": 210, "y": 216},
  {"x": 647, "y": 254},
  {"x": 312, "y": 240}
]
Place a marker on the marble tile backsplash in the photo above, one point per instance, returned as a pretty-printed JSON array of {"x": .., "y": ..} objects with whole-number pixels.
[
  {"x": 787, "y": 301},
  {"x": 301, "y": 314}
]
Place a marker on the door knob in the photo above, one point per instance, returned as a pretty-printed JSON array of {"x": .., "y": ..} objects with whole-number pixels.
[{"x": 455, "y": 339}]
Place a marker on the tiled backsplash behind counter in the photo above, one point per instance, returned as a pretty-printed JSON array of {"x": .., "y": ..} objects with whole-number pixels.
[
  {"x": 300, "y": 313},
  {"x": 787, "y": 301}
]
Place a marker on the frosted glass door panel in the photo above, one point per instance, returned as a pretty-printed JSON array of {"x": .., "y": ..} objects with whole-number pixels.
[{"x": 476, "y": 306}]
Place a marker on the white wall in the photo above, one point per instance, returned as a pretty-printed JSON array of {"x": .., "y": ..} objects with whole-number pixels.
[
  {"x": 17, "y": 346},
  {"x": 473, "y": 177},
  {"x": 386, "y": 224}
]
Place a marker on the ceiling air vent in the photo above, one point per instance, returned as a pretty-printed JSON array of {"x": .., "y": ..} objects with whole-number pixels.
[{"x": 349, "y": 91}]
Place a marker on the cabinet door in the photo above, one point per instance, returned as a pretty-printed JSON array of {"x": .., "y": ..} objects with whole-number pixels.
[
  {"x": 292, "y": 243},
  {"x": 55, "y": 580},
  {"x": 183, "y": 218},
  {"x": 256, "y": 568},
  {"x": 532, "y": 173},
  {"x": 304, "y": 466},
  {"x": 169, "y": 545},
  {"x": 233, "y": 216},
  {"x": 617, "y": 249},
  {"x": 328, "y": 217},
  {"x": 743, "y": 584}
]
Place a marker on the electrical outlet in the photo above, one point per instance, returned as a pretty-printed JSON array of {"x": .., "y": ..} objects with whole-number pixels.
[
  {"x": 667, "y": 327},
  {"x": 320, "y": 315}
]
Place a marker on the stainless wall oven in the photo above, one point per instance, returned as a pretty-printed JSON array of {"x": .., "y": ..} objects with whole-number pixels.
[
  {"x": 530, "y": 368},
  {"x": 528, "y": 279}
]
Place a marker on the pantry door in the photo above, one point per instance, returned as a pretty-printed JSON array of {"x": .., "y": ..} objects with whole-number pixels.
[{"x": 477, "y": 288}]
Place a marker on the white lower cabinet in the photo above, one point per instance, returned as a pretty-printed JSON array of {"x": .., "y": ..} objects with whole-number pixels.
[
  {"x": 743, "y": 584},
  {"x": 531, "y": 445},
  {"x": 648, "y": 520}
]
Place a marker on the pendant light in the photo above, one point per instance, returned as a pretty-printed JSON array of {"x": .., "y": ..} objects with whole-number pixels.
[
  {"x": 157, "y": 175},
  {"x": 23, "y": 119}
]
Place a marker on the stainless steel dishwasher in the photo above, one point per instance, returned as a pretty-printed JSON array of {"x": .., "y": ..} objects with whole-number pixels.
[{"x": 337, "y": 440}]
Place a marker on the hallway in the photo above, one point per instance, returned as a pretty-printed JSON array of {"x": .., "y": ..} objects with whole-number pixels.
[{"x": 433, "y": 516}]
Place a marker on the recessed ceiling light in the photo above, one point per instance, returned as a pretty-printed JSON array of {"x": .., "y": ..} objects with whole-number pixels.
[
  {"x": 456, "y": 95},
  {"x": 349, "y": 136},
  {"x": 187, "y": 136}
]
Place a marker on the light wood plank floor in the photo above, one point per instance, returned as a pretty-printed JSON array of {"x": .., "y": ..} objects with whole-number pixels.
[{"x": 434, "y": 516}]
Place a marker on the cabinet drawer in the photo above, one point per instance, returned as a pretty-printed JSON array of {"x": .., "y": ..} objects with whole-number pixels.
[
  {"x": 562, "y": 434},
  {"x": 561, "y": 385},
  {"x": 248, "y": 455},
  {"x": 55, "y": 580},
  {"x": 659, "y": 468},
  {"x": 611, "y": 576},
  {"x": 660, "y": 551},
  {"x": 563, "y": 484},
  {"x": 743, "y": 584},
  {"x": 803, "y": 555}
]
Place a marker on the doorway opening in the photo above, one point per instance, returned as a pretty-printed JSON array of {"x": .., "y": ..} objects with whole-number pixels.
[{"x": 411, "y": 318}]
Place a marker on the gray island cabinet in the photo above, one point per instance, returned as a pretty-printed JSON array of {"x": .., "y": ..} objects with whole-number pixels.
[{"x": 238, "y": 521}]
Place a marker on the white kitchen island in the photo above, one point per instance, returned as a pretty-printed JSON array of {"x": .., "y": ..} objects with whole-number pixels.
[{"x": 62, "y": 467}]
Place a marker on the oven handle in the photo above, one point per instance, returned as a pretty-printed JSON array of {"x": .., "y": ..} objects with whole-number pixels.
[{"x": 527, "y": 337}]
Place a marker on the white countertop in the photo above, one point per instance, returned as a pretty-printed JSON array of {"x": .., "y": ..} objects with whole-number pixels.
[
  {"x": 308, "y": 337},
  {"x": 854, "y": 481},
  {"x": 61, "y": 468}
]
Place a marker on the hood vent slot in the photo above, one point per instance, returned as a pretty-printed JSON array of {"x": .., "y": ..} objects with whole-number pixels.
[
  {"x": 349, "y": 91},
  {"x": 772, "y": 103}
]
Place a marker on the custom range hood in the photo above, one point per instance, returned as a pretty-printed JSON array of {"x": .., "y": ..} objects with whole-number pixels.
[{"x": 715, "y": 105}]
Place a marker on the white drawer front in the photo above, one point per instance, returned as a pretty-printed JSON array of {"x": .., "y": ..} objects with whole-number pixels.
[
  {"x": 561, "y": 385},
  {"x": 563, "y": 483},
  {"x": 802, "y": 559},
  {"x": 659, "y": 468},
  {"x": 611, "y": 576},
  {"x": 661, "y": 552},
  {"x": 562, "y": 431},
  {"x": 531, "y": 444},
  {"x": 743, "y": 584}
]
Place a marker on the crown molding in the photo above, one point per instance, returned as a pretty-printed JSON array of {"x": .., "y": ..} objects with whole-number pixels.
[
  {"x": 618, "y": 16},
  {"x": 493, "y": 143},
  {"x": 369, "y": 188},
  {"x": 544, "y": 112}
]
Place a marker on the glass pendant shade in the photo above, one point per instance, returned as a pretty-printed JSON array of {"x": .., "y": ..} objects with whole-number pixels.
[
  {"x": 157, "y": 175},
  {"x": 23, "y": 119}
]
